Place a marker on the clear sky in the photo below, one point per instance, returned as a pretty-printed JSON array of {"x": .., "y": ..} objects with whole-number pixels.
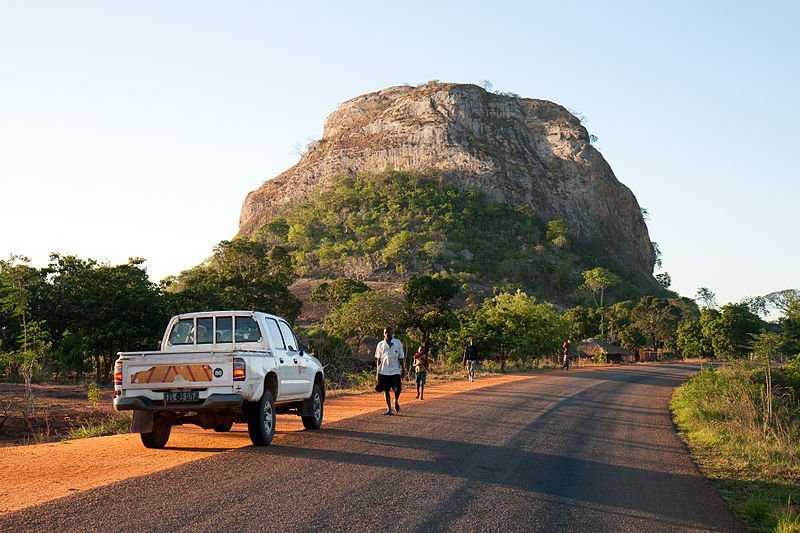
[{"x": 137, "y": 128}]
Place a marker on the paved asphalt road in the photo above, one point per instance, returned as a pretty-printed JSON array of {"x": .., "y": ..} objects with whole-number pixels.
[{"x": 583, "y": 450}]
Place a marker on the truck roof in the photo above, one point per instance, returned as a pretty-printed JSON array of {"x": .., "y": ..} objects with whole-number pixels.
[{"x": 239, "y": 312}]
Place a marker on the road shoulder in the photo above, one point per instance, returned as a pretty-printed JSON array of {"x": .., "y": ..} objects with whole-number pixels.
[{"x": 40, "y": 473}]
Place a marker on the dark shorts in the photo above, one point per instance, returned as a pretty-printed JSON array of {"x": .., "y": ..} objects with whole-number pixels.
[
  {"x": 390, "y": 382},
  {"x": 421, "y": 376}
]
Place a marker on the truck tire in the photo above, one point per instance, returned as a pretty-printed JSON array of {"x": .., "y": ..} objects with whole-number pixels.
[
  {"x": 314, "y": 420},
  {"x": 261, "y": 420},
  {"x": 159, "y": 436},
  {"x": 223, "y": 427}
]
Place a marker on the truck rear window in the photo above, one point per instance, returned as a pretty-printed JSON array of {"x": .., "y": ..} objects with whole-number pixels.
[
  {"x": 182, "y": 332},
  {"x": 224, "y": 329},
  {"x": 205, "y": 330},
  {"x": 247, "y": 330}
]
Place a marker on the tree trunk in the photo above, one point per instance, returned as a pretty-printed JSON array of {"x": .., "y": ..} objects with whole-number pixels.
[
  {"x": 105, "y": 377},
  {"x": 97, "y": 367},
  {"x": 768, "y": 417}
]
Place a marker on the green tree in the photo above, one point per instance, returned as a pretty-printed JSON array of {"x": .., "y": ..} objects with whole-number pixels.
[
  {"x": 774, "y": 301},
  {"x": 338, "y": 291},
  {"x": 631, "y": 337},
  {"x": 597, "y": 280},
  {"x": 32, "y": 343},
  {"x": 656, "y": 253},
  {"x": 689, "y": 340},
  {"x": 790, "y": 322},
  {"x": 516, "y": 325},
  {"x": 198, "y": 289},
  {"x": 792, "y": 372},
  {"x": 557, "y": 231},
  {"x": 99, "y": 310},
  {"x": 584, "y": 322},
  {"x": 334, "y": 353},
  {"x": 730, "y": 330},
  {"x": 401, "y": 251},
  {"x": 366, "y": 313},
  {"x": 707, "y": 297},
  {"x": 23, "y": 297},
  {"x": 242, "y": 274},
  {"x": 274, "y": 233},
  {"x": 427, "y": 305},
  {"x": 657, "y": 319},
  {"x": 259, "y": 274},
  {"x": 664, "y": 279},
  {"x": 621, "y": 326}
]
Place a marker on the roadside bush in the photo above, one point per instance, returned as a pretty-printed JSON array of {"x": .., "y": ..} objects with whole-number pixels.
[
  {"x": 93, "y": 394},
  {"x": 754, "y": 455},
  {"x": 791, "y": 372},
  {"x": 116, "y": 424}
]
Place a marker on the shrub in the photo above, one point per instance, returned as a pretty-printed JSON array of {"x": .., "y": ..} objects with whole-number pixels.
[
  {"x": 116, "y": 424},
  {"x": 792, "y": 373},
  {"x": 755, "y": 456},
  {"x": 93, "y": 395}
]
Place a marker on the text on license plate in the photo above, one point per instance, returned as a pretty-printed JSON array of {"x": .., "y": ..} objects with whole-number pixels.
[{"x": 182, "y": 396}]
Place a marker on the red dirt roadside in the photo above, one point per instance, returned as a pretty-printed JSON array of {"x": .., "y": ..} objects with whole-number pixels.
[{"x": 39, "y": 473}]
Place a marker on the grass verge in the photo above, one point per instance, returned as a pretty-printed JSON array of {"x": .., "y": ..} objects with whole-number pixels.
[
  {"x": 115, "y": 424},
  {"x": 752, "y": 455}
]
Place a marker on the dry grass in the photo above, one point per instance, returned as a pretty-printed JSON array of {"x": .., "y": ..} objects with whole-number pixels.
[{"x": 754, "y": 460}]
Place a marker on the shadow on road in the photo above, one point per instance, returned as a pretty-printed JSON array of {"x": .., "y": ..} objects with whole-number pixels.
[{"x": 567, "y": 481}]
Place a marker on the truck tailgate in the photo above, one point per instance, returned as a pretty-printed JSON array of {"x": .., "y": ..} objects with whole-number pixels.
[{"x": 177, "y": 371}]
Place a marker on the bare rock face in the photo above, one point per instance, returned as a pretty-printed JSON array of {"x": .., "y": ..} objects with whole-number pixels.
[{"x": 516, "y": 150}]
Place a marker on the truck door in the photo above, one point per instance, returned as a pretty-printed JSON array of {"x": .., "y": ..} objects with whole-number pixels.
[
  {"x": 304, "y": 377},
  {"x": 290, "y": 385}
]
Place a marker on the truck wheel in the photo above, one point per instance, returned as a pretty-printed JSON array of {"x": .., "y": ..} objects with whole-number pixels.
[
  {"x": 159, "y": 436},
  {"x": 314, "y": 420},
  {"x": 261, "y": 420},
  {"x": 223, "y": 427}
]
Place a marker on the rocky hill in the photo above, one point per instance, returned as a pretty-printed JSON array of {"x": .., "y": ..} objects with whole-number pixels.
[{"x": 519, "y": 151}]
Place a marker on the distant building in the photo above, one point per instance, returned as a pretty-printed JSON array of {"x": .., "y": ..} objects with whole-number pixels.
[{"x": 614, "y": 353}]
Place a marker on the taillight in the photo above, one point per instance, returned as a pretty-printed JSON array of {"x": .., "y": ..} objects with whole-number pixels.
[
  {"x": 238, "y": 369},
  {"x": 117, "y": 373}
]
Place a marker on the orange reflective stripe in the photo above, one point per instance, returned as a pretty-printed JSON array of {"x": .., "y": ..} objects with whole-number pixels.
[{"x": 167, "y": 374}]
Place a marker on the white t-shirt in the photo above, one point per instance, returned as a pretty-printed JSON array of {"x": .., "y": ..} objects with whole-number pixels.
[{"x": 389, "y": 357}]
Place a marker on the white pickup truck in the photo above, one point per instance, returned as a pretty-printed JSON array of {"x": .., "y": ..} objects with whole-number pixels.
[{"x": 217, "y": 368}]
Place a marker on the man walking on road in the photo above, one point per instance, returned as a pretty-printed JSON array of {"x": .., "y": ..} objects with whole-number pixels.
[
  {"x": 471, "y": 358},
  {"x": 390, "y": 362}
]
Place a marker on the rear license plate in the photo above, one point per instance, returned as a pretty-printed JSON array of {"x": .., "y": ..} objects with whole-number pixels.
[{"x": 182, "y": 396}]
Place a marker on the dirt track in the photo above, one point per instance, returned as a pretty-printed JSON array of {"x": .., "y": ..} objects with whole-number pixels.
[{"x": 40, "y": 473}]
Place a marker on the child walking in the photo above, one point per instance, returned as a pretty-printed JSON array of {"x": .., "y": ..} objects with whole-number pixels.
[{"x": 420, "y": 362}]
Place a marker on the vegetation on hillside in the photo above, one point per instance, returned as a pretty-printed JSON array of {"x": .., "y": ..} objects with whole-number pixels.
[{"x": 396, "y": 224}]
